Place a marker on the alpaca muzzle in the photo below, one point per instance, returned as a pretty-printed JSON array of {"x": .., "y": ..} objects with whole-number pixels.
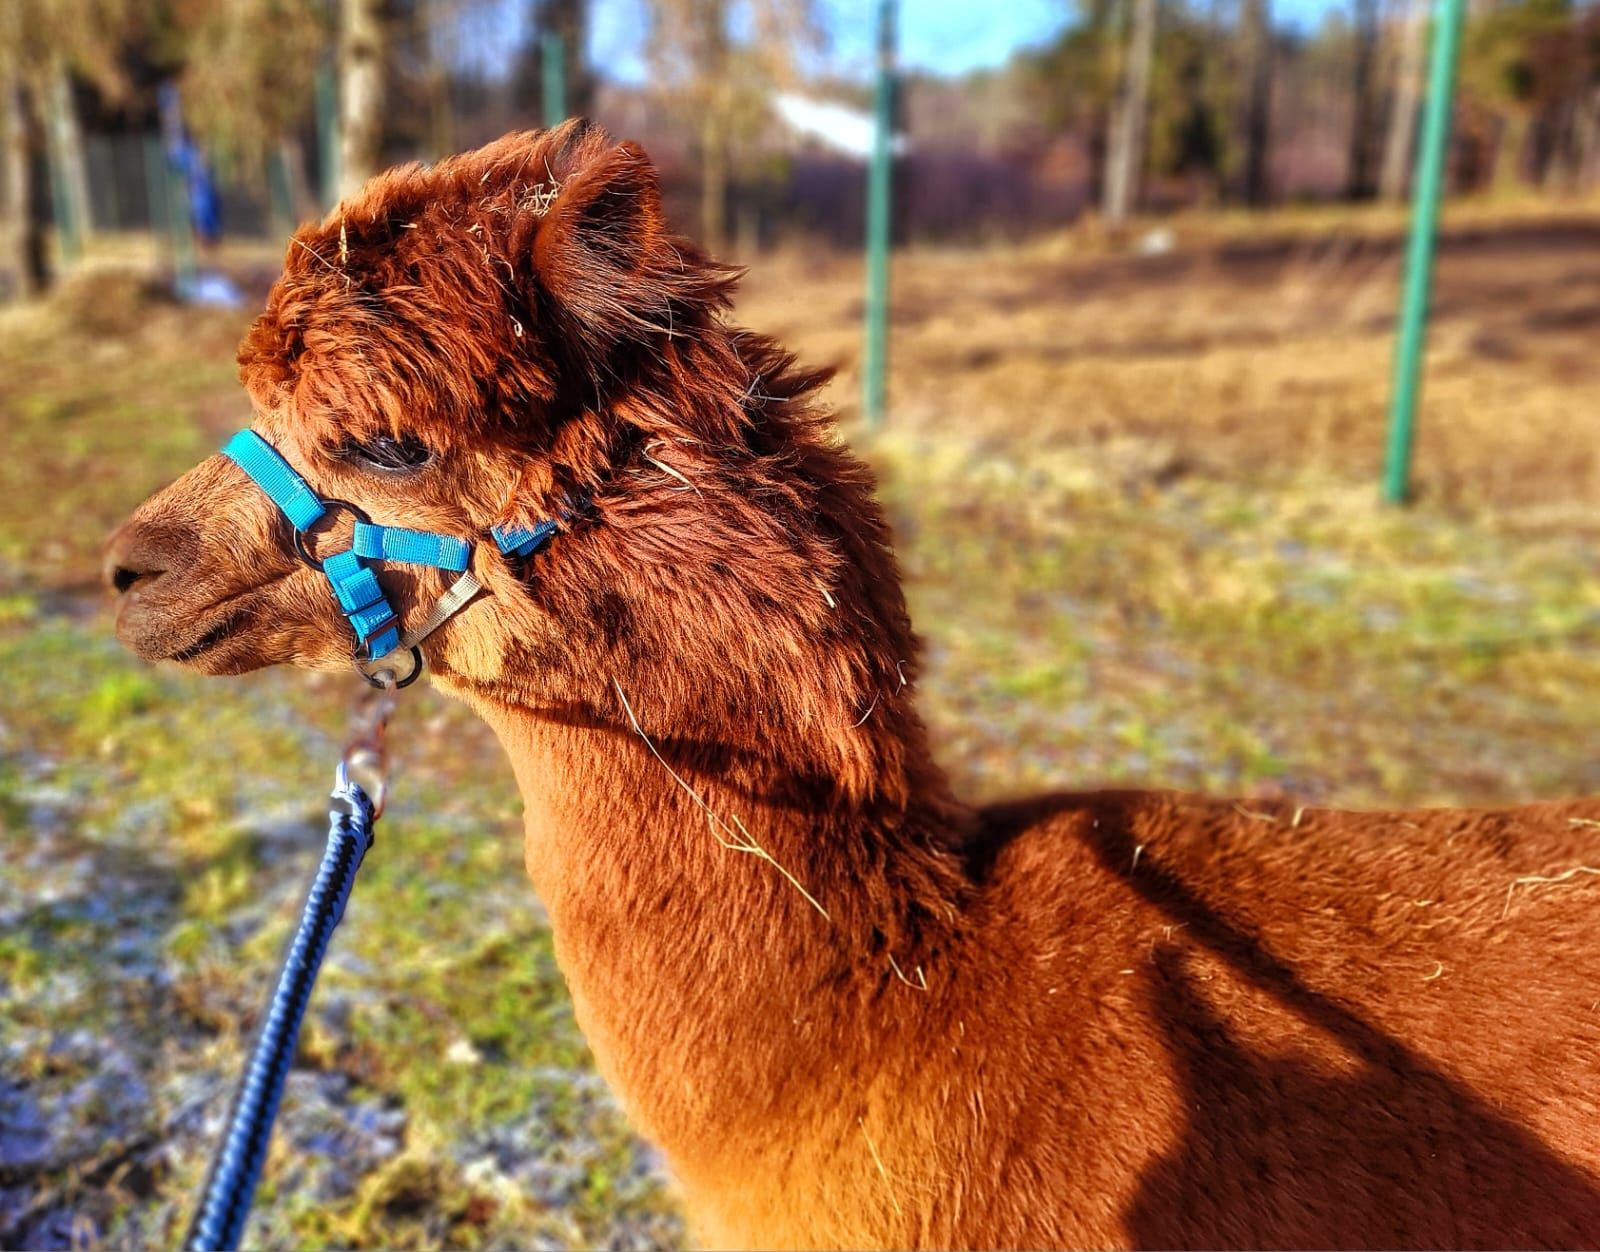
[{"x": 376, "y": 625}]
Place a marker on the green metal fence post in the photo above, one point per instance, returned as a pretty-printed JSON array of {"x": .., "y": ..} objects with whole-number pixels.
[
  {"x": 280, "y": 197},
  {"x": 1431, "y": 154},
  {"x": 553, "y": 77},
  {"x": 876, "y": 356},
  {"x": 179, "y": 228},
  {"x": 68, "y": 213},
  {"x": 155, "y": 190},
  {"x": 69, "y": 243}
]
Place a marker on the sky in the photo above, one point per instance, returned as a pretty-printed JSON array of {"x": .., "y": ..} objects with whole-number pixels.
[{"x": 941, "y": 36}]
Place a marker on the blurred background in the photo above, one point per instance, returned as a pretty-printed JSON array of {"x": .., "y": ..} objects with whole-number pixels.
[{"x": 1116, "y": 321}]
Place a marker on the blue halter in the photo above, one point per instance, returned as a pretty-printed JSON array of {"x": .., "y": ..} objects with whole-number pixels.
[{"x": 355, "y": 586}]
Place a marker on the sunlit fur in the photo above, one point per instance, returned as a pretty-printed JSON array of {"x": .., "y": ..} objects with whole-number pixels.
[{"x": 851, "y": 1009}]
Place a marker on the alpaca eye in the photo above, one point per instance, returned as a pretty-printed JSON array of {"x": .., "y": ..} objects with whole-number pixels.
[{"x": 385, "y": 454}]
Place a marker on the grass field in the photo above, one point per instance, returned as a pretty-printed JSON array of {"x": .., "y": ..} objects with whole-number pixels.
[{"x": 1135, "y": 497}]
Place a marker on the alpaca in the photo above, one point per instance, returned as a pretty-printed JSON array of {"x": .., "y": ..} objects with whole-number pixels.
[{"x": 852, "y": 1010}]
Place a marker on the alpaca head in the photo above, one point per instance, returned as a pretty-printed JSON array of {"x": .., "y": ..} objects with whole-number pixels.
[
  {"x": 440, "y": 352},
  {"x": 508, "y": 337}
]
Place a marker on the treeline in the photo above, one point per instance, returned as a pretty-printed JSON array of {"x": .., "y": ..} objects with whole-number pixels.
[
  {"x": 1209, "y": 101},
  {"x": 1138, "y": 105}
]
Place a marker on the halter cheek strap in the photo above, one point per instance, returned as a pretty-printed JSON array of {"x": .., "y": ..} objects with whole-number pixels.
[{"x": 354, "y": 584}]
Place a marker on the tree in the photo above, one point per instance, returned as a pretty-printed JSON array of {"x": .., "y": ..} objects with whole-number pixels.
[
  {"x": 1565, "y": 59},
  {"x": 24, "y": 152},
  {"x": 1255, "y": 35},
  {"x": 1413, "y": 21},
  {"x": 1364, "y": 106},
  {"x": 363, "y": 62},
  {"x": 44, "y": 45},
  {"x": 1126, "y": 135},
  {"x": 1190, "y": 96},
  {"x": 247, "y": 70},
  {"x": 1505, "y": 73},
  {"x": 720, "y": 82},
  {"x": 1075, "y": 81},
  {"x": 1583, "y": 150}
]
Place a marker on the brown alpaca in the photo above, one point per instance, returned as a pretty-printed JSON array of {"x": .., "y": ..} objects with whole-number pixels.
[{"x": 851, "y": 1009}]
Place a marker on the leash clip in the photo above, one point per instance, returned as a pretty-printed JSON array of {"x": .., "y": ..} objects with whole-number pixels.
[{"x": 365, "y": 760}]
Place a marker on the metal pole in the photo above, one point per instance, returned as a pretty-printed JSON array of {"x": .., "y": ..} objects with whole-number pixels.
[
  {"x": 181, "y": 227},
  {"x": 553, "y": 79},
  {"x": 155, "y": 190},
  {"x": 875, "y": 364},
  {"x": 1446, "y": 45},
  {"x": 280, "y": 195},
  {"x": 64, "y": 188},
  {"x": 69, "y": 243}
]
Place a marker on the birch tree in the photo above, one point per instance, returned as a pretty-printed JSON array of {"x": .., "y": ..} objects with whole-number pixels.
[
  {"x": 1400, "y": 134},
  {"x": 363, "y": 60},
  {"x": 1125, "y": 140}
]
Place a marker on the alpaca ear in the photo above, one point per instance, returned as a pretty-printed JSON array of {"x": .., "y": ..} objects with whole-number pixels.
[{"x": 601, "y": 249}]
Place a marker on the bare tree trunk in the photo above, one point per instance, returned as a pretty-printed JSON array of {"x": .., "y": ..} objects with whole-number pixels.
[
  {"x": 21, "y": 230},
  {"x": 438, "y": 37},
  {"x": 1106, "y": 21},
  {"x": 1125, "y": 154},
  {"x": 713, "y": 43},
  {"x": 714, "y": 176},
  {"x": 1508, "y": 148},
  {"x": 67, "y": 164},
  {"x": 1402, "y": 128},
  {"x": 1556, "y": 151},
  {"x": 1256, "y": 19},
  {"x": 1363, "y": 113},
  {"x": 1586, "y": 138},
  {"x": 363, "y": 60}
]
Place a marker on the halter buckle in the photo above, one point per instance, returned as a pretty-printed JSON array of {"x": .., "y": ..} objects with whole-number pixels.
[{"x": 363, "y": 648}]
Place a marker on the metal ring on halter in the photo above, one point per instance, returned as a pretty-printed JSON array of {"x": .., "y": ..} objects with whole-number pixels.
[
  {"x": 373, "y": 679},
  {"x": 329, "y": 507}
]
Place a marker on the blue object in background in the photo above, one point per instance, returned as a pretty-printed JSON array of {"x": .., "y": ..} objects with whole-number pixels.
[
  {"x": 202, "y": 206},
  {"x": 186, "y": 159},
  {"x": 205, "y": 206}
]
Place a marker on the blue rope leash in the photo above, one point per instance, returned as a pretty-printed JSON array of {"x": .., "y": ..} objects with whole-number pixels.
[
  {"x": 231, "y": 1186},
  {"x": 226, "y": 1201}
]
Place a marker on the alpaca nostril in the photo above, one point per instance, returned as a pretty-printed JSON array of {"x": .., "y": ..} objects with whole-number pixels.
[
  {"x": 145, "y": 549},
  {"x": 124, "y": 577}
]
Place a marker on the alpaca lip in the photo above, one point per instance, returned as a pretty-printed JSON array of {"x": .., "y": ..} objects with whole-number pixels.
[
  {"x": 163, "y": 628},
  {"x": 218, "y": 632},
  {"x": 233, "y": 613}
]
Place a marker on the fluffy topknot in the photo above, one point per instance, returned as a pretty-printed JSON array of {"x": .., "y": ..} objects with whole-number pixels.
[{"x": 487, "y": 295}]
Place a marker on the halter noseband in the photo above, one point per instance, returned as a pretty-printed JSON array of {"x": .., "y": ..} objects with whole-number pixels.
[{"x": 355, "y": 586}]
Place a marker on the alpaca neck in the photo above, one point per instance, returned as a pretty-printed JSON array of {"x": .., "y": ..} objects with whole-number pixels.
[{"x": 732, "y": 952}]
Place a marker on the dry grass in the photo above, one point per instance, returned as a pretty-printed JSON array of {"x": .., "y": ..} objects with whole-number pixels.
[
  {"x": 1136, "y": 502},
  {"x": 1240, "y": 358}
]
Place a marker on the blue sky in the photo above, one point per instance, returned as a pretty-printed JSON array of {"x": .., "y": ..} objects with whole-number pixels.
[{"x": 944, "y": 36}]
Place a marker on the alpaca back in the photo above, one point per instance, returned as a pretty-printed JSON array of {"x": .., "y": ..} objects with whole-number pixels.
[{"x": 1207, "y": 1024}]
